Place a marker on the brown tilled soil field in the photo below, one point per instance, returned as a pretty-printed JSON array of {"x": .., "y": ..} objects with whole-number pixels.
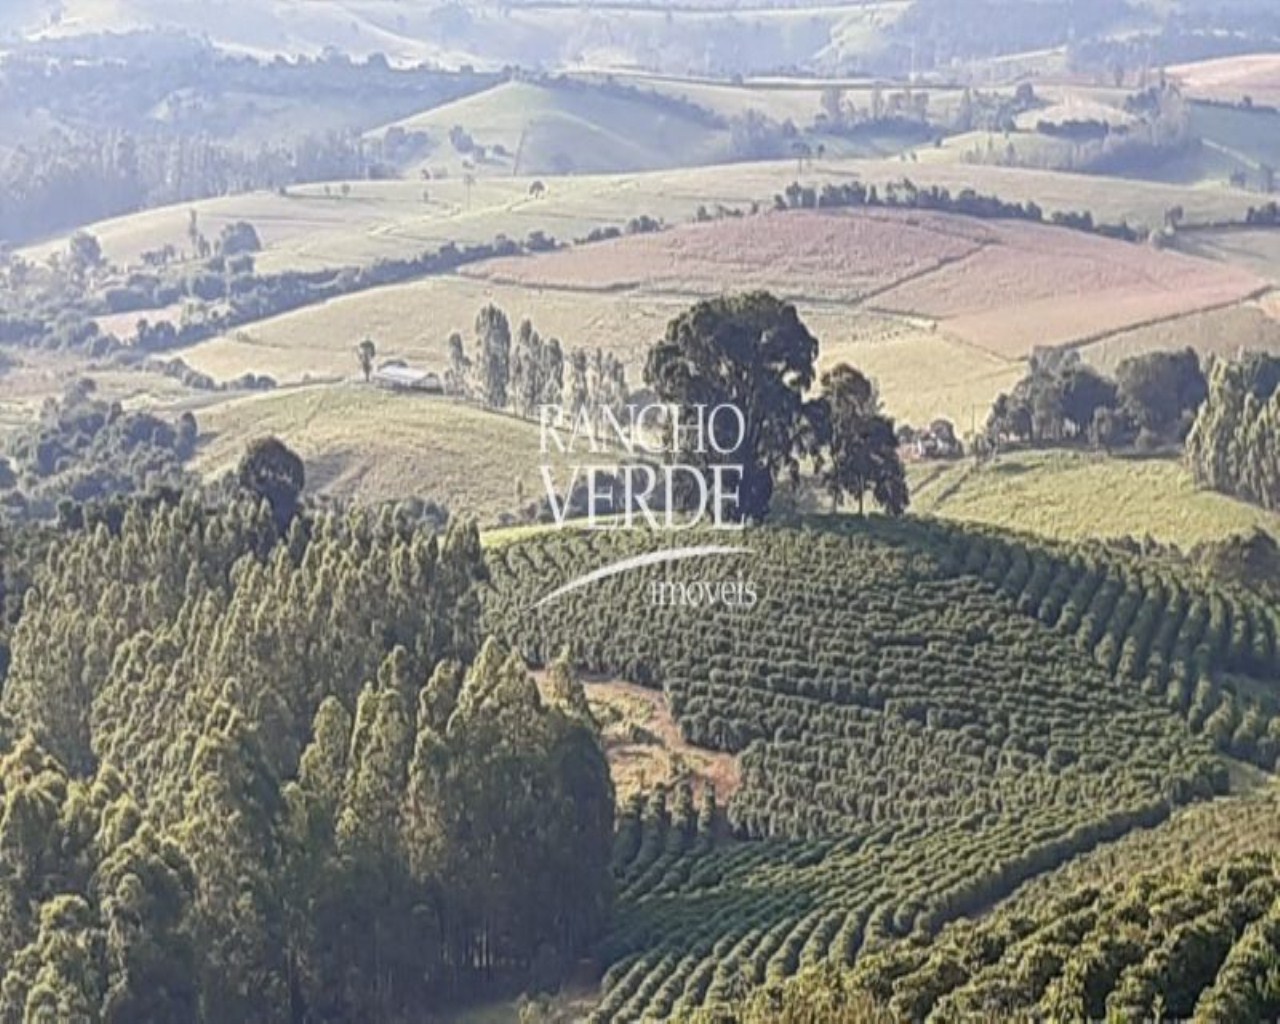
[
  {"x": 1046, "y": 286},
  {"x": 835, "y": 256},
  {"x": 1002, "y": 286}
]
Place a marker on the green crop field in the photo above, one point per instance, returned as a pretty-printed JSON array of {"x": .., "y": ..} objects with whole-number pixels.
[
  {"x": 1246, "y": 820},
  {"x": 896, "y": 746},
  {"x": 1077, "y": 495},
  {"x": 1199, "y": 945}
]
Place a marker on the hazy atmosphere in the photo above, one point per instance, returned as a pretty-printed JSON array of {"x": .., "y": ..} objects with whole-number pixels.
[{"x": 725, "y": 512}]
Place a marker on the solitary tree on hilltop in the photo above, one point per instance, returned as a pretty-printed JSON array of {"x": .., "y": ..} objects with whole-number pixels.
[{"x": 751, "y": 352}]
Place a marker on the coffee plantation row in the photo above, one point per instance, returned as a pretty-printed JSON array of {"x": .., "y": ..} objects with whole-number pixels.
[
  {"x": 1201, "y": 945},
  {"x": 925, "y": 716}
]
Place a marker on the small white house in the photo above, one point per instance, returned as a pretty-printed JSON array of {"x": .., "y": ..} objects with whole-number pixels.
[{"x": 404, "y": 378}]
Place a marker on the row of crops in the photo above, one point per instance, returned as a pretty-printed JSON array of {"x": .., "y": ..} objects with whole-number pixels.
[
  {"x": 926, "y": 717},
  {"x": 1202, "y": 945}
]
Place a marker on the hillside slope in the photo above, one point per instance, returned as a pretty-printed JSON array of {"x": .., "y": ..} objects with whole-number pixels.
[
  {"x": 576, "y": 128},
  {"x": 905, "y": 759},
  {"x": 1076, "y": 495}
]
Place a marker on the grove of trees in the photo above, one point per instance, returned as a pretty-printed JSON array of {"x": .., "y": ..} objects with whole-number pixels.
[
  {"x": 1234, "y": 445},
  {"x": 1152, "y": 401},
  {"x": 260, "y": 771}
]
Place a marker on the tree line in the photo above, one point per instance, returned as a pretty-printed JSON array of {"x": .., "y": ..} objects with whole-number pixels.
[
  {"x": 968, "y": 202},
  {"x": 139, "y": 125},
  {"x": 1152, "y": 401},
  {"x": 520, "y": 374}
]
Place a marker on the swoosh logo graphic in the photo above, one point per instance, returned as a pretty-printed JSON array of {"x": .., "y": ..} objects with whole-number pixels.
[{"x": 639, "y": 562}]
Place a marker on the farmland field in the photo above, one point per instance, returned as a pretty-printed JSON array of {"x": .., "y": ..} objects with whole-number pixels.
[
  {"x": 802, "y": 254},
  {"x": 314, "y": 705},
  {"x": 1004, "y": 287},
  {"x": 1255, "y": 249},
  {"x": 1077, "y": 495},
  {"x": 1231, "y": 79},
  {"x": 942, "y": 310},
  {"x": 1247, "y": 820},
  {"x": 835, "y": 760},
  {"x": 1251, "y": 326},
  {"x": 307, "y": 228}
]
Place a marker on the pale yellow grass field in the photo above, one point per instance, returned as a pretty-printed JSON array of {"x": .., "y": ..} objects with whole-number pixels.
[
  {"x": 1253, "y": 326},
  {"x": 413, "y": 322},
  {"x": 921, "y": 372},
  {"x": 1232, "y": 78},
  {"x": 977, "y": 149},
  {"x": 360, "y": 441},
  {"x": 1076, "y": 495}
]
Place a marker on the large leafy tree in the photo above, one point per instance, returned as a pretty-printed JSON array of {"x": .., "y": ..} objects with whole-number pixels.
[
  {"x": 862, "y": 450},
  {"x": 754, "y": 353},
  {"x": 271, "y": 470},
  {"x": 1161, "y": 391}
]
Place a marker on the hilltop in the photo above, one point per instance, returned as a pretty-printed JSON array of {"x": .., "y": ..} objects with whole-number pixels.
[
  {"x": 568, "y": 127},
  {"x": 363, "y": 443}
]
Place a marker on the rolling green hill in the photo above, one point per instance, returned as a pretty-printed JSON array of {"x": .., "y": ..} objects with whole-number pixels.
[
  {"x": 905, "y": 758},
  {"x": 379, "y": 446},
  {"x": 1080, "y": 495}
]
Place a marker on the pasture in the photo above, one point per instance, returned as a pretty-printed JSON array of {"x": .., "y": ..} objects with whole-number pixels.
[
  {"x": 1070, "y": 495},
  {"x": 359, "y": 441},
  {"x": 941, "y": 310}
]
